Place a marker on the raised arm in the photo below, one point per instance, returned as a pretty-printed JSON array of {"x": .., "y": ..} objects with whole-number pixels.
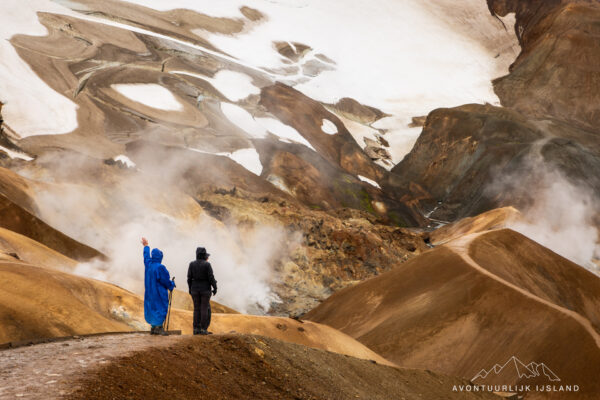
[{"x": 146, "y": 252}]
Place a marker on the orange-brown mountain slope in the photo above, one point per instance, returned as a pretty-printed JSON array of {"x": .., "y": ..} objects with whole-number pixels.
[{"x": 475, "y": 302}]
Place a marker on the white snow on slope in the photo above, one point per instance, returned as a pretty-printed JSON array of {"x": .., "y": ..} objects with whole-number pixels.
[
  {"x": 234, "y": 85},
  {"x": 421, "y": 56},
  {"x": 244, "y": 120},
  {"x": 399, "y": 135},
  {"x": 369, "y": 181},
  {"x": 125, "y": 160},
  {"x": 413, "y": 59},
  {"x": 31, "y": 106},
  {"x": 329, "y": 127},
  {"x": 149, "y": 94},
  {"x": 247, "y": 158},
  {"x": 257, "y": 128},
  {"x": 142, "y": 31},
  {"x": 359, "y": 131},
  {"x": 402, "y": 67},
  {"x": 285, "y": 132},
  {"x": 16, "y": 154}
]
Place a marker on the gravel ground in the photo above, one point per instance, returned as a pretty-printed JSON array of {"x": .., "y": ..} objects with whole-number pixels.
[{"x": 47, "y": 371}]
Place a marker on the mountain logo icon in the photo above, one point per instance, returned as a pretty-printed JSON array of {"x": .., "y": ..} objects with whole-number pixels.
[{"x": 523, "y": 370}]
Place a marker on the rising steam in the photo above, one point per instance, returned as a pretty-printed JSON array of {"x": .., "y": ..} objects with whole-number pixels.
[
  {"x": 138, "y": 204},
  {"x": 558, "y": 212}
]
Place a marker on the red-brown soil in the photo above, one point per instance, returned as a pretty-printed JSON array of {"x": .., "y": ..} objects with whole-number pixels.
[
  {"x": 253, "y": 367},
  {"x": 494, "y": 219},
  {"x": 475, "y": 302}
]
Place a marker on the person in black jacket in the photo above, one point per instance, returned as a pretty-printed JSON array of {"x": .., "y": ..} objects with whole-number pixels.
[{"x": 200, "y": 279}]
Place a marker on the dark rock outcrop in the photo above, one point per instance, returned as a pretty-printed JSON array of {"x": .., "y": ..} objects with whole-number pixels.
[
  {"x": 550, "y": 121},
  {"x": 557, "y": 74}
]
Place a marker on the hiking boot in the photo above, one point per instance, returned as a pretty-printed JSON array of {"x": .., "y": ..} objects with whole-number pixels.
[
  {"x": 160, "y": 331},
  {"x": 197, "y": 331},
  {"x": 205, "y": 332},
  {"x": 153, "y": 330}
]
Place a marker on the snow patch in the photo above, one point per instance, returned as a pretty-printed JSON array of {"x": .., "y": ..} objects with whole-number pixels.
[
  {"x": 285, "y": 132},
  {"x": 329, "y": 127},
  {"x": 369, "y": 181},
  {"x": 359, "y": 131},
  {"x": 125, "y": 160},
  {"x": 247, "y": 158},
  {"x": 399, "y": 135},
  {"x": 234, "y": 85},
  {"x": 149, "y": 94},
  {"x": 16, "y": 154},
  {"x": 244, "y": 120},
  {"x": 31, "y": 107}
]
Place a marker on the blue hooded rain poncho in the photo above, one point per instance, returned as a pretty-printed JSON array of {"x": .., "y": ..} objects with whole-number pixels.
[{"x": 157, "y": 283}]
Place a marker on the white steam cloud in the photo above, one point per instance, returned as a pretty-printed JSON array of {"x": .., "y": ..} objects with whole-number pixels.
[
  {"x": 558, "y": 213},
  {"x": 241, "y": 261},
  {"x": 562, "y": 220},
  {"x": 113, "y": 221}
]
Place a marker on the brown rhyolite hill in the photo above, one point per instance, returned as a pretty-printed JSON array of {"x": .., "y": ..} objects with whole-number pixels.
[{"x": 475, "y": 302}]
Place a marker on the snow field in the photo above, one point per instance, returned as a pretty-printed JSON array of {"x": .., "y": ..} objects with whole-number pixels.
[
  {"x": 234, "y": 85},
  {"x": 244, "y": 120},
  {"x": 359, "y": 131},
  {"x": 420, "y": 57},
  {"x": 285, "y": 132},
  {"x": 149, "y": 94},
  {"x": 247, "y": 158},
  {"x": 31, "y": 107},
  {"x": 403, "y": 67}
]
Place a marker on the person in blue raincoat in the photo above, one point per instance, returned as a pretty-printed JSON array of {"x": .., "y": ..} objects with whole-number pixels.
[{"x": 157, "y": 283}]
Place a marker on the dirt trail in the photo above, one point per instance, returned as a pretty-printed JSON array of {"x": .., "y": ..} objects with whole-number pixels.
[
  {"x": 47, "y": 371},
  {"x": 461, "y": 247}
]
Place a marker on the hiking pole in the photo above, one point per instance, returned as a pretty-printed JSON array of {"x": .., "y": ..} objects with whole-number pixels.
[{"x": 169, "y": 312}]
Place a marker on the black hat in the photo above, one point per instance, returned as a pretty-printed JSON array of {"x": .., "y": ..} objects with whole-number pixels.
[{"x": 201, "y": 253}]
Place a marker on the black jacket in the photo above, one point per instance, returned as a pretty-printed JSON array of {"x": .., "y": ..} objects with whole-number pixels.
[{"x": 200, "y": 276}]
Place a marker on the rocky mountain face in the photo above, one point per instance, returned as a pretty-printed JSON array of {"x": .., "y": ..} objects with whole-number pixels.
[{"x": 548, "y": 120}]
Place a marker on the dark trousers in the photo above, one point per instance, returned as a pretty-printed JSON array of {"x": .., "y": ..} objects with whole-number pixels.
[{"x": 201, "y": 310}]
